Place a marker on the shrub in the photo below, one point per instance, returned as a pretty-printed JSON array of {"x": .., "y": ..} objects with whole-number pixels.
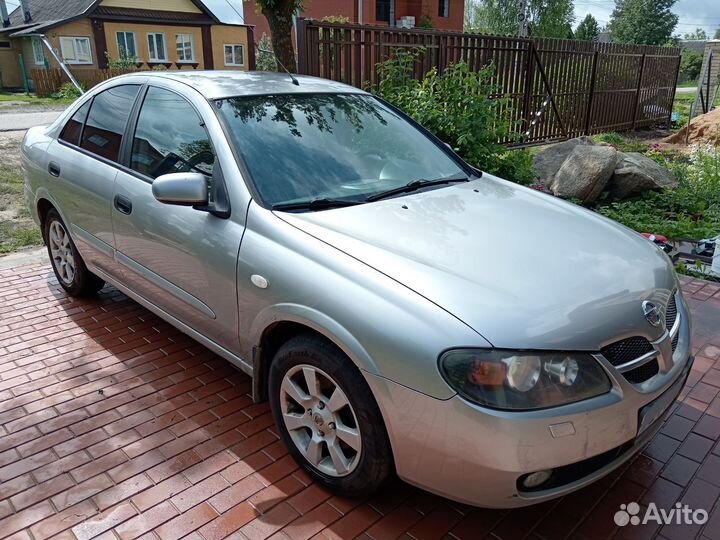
[
  {"x": 125, "y": 61},
  {"x": 458, "y": 108},
  {"x": 692, "y": 210},
  {"x": 69, "y": 91},
  {"x": 690, "y": 66}
]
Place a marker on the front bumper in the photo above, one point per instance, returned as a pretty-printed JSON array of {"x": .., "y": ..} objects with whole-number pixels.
[{"x": 476, "y": 456}]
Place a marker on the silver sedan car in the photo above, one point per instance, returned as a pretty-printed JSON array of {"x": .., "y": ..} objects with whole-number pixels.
[{"x": 403, "y": 312}]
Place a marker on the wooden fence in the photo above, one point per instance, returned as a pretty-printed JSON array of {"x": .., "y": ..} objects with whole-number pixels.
[
  {"x": 49, "y": 81},
  {"x": 558, "y": 88}
]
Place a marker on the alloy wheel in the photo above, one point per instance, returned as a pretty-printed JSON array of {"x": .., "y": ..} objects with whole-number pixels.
[
  {"x": 62, "y": 252},
  {"x": 320, "y": 420}
]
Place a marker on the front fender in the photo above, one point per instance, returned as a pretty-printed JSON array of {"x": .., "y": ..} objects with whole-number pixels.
[{"x": 318, "y": 321}]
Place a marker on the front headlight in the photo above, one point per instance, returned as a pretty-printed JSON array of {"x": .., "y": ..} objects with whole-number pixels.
[{"x": 519, "y": 380}]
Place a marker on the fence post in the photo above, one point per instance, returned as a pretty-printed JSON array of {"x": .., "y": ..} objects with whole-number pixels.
[
  {"x": 674, "y": 89},
  {"x": 442, "y": 53},
  {"x": 301, "y": 45},
  {"x": 593, "y": 77},
  {"x": 637, "y": 92},
  {"x": 529, "y": 85}
]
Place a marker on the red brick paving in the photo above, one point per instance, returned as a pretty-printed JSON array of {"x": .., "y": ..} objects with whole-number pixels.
[{"x": 114, "y": 425}]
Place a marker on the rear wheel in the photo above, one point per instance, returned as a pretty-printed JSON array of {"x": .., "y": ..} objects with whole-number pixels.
[
  {"x": 328, "y": 417},
  {"x": 69, "y": 268}
]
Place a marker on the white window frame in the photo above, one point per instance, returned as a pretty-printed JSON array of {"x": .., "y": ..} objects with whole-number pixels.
[
  {"x": 191, "y": 40},
  {"x": 77, "y": 53},
  {"x": 38, "y": 52},
  {"x": 234, "y": 62},
  {"x": 125, "y": 36},
  {"x": 152, "y": 36}
]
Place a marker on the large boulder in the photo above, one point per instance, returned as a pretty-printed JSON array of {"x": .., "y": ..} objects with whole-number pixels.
[
  {"x": 636, "y": 173},
  {"x": 585, "y": 173},
  {"x": 548, "y": 162}
]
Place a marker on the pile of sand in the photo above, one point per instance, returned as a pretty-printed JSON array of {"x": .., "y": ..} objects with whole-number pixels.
[{"x": 703, "y": 129}]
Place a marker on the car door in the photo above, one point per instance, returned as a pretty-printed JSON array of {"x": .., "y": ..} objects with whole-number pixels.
[
  {"x": 179, "y": 258},
  {"x": 82, "y": 166}
]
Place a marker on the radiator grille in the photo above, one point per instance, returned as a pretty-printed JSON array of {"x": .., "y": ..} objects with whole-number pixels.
[
  {"x": 670, "y": 313},
  {"x": 626, "y": 350}
]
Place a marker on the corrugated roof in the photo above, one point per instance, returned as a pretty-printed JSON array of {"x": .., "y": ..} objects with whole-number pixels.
[
  {"x": 44, "y": 11},
  {"x": 150, "y": 14},
  {"x": 47, "y": 12}
]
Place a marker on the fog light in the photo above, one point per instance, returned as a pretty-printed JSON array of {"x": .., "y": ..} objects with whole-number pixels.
[{"x": 536, "y": 479}]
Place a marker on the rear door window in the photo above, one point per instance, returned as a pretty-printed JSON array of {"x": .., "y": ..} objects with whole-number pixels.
[
  {"x": 107, "y": 120},
  {"x": 170, "y": 137},
  {"x": 71, "y": 131}
]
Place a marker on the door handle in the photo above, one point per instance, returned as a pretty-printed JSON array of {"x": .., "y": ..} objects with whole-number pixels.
[
  {"x": 54, "y": 169},
  {"x": 123, "y": 204}
]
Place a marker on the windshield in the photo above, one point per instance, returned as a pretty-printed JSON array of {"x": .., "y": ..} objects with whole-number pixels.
[{"x": 329, "y": 146}]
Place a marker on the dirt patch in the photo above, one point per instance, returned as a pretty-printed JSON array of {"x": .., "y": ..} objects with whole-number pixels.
[
  {"x": 15, "y": 107},
  {"x": 703, "y": 129},
  {"x": 17, "y": 229}
]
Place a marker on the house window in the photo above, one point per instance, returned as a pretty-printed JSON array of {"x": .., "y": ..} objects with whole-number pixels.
[
  {"x": 234, "y": 55},
  {"x": 126, "y": 44},
  {"x": 185, "y": 47},
  {"x": 444, "y": 8},
  {"x": 382, "y": 10},
  {"x": 4, "y": 44},
  {"x": 76, "y": 50},
  {"x": 156, "y": 47},
  {"x": 38, "y": 52}
]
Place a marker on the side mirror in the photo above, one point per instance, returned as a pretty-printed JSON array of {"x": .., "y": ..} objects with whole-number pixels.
[{"x": 185, "y": 189}]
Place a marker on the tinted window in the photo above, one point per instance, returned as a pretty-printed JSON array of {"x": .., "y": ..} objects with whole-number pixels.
[
  {"x": 71, "y": 131},
  {"x": 107, "y": 119},
  {"x": 170, "y": 137},
  {"x": 302, "y": 146}
]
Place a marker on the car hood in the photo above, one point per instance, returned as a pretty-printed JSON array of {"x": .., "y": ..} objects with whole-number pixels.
[{"x": 523, "y": 269}]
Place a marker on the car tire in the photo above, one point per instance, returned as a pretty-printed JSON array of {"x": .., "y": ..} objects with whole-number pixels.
[
  {"x": 316, "y": 424},
  {"x": 68, "y": 265}
]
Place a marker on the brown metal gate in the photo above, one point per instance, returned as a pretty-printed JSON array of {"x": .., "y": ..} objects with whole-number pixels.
[{"x": 558, "y": 88}]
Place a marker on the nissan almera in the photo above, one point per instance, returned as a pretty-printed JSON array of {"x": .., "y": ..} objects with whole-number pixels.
[{"x": 403, "y": 312}]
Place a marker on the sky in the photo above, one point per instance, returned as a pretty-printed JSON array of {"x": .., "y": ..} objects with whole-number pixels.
[{"x": 692, "y": 14}]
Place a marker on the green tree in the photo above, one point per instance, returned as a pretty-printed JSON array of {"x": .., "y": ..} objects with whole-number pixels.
[
  {"x": 717, "y": 34},
  {"x": 279, "y": 15},
  {"x": 265, "y": 59},
  {"x": 588, "y": 29},
  {"x": 699, "y": 34},
  {"x": 546, "y": 18},
  {"x": 643, "y": 22},
  {"x": 690, "y": 66}
]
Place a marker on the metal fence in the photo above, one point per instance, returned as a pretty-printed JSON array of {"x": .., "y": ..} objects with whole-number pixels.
[{"x": 558, "y": 88}]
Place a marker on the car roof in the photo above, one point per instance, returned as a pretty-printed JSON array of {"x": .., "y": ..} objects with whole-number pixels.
[{"x": 224, "y": 84}]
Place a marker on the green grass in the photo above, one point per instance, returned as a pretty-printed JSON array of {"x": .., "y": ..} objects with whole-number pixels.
[
  {"x": 624, "y": 143},
  {"x": 683, "y": 103},
  {"x": 32, "y": 99},
  {"x": 14, "y": 237},
  {"x": 687, "y": 84},
  {"x": 19, "y": 231}
]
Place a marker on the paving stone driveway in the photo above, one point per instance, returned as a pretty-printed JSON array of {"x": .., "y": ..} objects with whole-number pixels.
[{"x": 115, "y": 425}]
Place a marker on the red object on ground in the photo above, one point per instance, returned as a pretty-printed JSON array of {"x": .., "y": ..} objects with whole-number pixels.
[{"x": 655, "y": 237}]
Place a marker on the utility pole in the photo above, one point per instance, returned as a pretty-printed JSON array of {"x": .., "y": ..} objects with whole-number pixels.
[{"x": 522, "y": 19}]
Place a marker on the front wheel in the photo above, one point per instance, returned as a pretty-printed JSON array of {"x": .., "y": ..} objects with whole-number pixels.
[
  {"x": 328, "y": 417},
  {"x": 69, "y": 268}
]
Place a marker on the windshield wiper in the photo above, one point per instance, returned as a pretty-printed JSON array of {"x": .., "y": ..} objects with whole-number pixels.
[
  {"x": 415, "y": 185},
  {"x": 316, "y": 204}
]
